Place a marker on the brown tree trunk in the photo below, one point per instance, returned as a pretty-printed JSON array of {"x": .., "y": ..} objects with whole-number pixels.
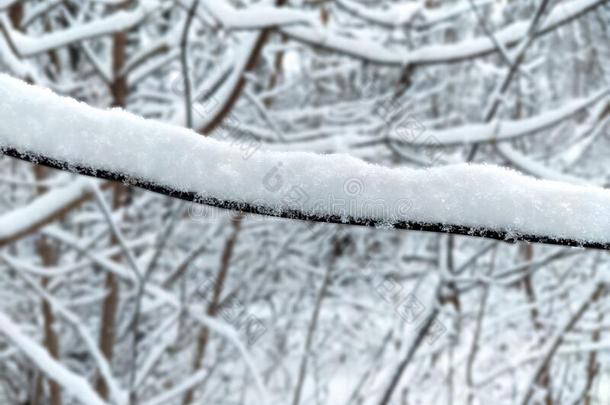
[
  {"x": 111, "y": 302},
  {"x": 15, "y": 14},
  {"x": 48, "y": 257},
  {"x": 214, "y": 304},
  {"x": 593, "y": 366},
  {"x": 250, "y": 65},
  {"x": 119, "y": 91},
  {"x": 527, "y": 254}
]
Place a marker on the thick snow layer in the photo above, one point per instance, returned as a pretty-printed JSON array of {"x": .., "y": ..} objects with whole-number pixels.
[{"x": 35, "y": 120}]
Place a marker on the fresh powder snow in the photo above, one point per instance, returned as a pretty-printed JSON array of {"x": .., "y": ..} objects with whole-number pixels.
[{"x": 478, "y": 196}]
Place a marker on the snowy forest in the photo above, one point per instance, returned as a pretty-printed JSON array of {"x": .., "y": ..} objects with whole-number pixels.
[{"x": 304, "y": 202}]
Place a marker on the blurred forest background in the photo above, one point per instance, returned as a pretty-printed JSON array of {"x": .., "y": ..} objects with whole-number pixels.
[{"x": 166, "y": 302}]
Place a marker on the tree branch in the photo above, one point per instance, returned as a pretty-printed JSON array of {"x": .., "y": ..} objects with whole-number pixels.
[{"x": 501, "y": 235}]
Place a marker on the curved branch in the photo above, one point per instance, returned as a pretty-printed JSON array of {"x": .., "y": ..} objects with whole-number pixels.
[{"x": 442, "y": 53}]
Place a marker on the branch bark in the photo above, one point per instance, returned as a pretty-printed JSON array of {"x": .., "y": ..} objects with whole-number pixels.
[{"x": 501, "y": 235}]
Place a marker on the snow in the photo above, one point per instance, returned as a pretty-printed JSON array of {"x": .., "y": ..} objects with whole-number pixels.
[
  {"x": 505, "y": 130},
  {"x": 467, "y": 48},
  {"x": 306, "y": 29},
  {"x": 116, "y": 393},
  {"x": 398, "y": 15},
  {"x": 11, "y": 61},
  {"x": 21, "y": 219},
  {"x": 479, "y": 196},
  {"x": 214, "y": 106},
  {"x": 259, "y": 16},
  {"x": 409, "y": 13},
  {"x": 72, "y": 383},
  {"x": 6, "y": 3},
  {"x": 194, "y": 310},
  {"x": 534, "y": 168},
  {"x": 118, "y": 21}
]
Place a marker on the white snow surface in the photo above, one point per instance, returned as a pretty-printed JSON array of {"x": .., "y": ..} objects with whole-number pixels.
[
  {"x": 435, "y": 53},
  {"x": 74, "y": 384},
  {"x": 20, "y": 219},
  {"x": 29, "y": 46},
  {"x": 503, "y": 130},
  {"x": 6, "y": 3},
  {"x": 35, "y": 120}
]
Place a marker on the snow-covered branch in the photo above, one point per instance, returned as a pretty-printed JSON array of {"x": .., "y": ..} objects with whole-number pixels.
[
  {"x": 464, "y": 117},
  {"x": 6, "y": 3},
  {"x": 29, "y": 46},
  {"x": 42, "y": 210},
  {"x": 256, "y": 17},
  {"x": 508, "y": 130},
  {"x": 72, "y": 383},
  {"x": 465, "y": 199},
  {"x": 439, "y": 53},
  {"x": 411, "y": 14}
]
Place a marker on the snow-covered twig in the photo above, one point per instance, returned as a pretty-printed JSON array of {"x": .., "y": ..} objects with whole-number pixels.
[
  {"x": 72, "y": 383},
  {"x": 257, "y": 17},
  {"x": 496, "y": 131},
  {"x": 6, "y": 3},
  {"x": 53, "y": 204},
  {"x": 194, "y": 311},
  {"x": 395, "y": 16},
  {"x": 552, "y": 346},
  {"x": 30, "y": 46},
  {"x": 431, "y": 54},
  {"x": 105, "y": 370}
]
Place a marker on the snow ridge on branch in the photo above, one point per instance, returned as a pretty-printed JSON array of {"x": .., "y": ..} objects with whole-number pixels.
[{"x": 477, "y": 200}]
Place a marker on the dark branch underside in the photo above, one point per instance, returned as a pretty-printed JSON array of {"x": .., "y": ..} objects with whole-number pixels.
[{"x": 500, "y": 235}]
